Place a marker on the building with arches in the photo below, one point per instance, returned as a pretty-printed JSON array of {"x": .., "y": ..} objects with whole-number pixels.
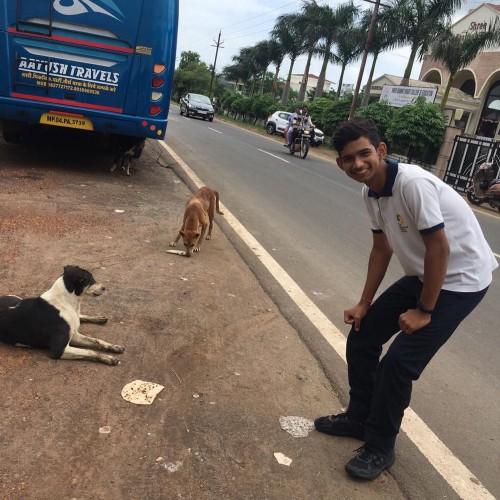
[{"x": 480, "y": 80}]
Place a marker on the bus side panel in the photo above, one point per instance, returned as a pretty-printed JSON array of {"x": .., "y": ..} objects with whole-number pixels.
[
  {"x": 4, "y": 64},
  {"x": 153, "y": 49}
]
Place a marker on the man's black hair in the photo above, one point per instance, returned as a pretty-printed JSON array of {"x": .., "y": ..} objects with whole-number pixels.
[{"x": 354, "y": 130}]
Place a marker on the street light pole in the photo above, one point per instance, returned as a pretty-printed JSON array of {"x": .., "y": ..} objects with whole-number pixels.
[
  {"x": 368, "y": 45},
  {"x": 217, "y": 44}
]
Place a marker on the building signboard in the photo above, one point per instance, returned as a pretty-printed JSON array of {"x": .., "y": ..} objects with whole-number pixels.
[{"x": 399, "y": 96}]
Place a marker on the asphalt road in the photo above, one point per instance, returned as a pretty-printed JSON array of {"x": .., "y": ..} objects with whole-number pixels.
[{"x": 311, "y": 218}]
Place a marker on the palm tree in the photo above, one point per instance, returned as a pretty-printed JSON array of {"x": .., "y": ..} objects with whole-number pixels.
[
  {"x": 309, "y": 25},
  {"x": 349, "y": 47},
  {"x": 244, "y": 67},
  {"x": 456, "y": 52},
  {"x": 262, "y": 58},
  {"x": 383, "y": 38},
  {"x": 287, "y": 33},
  {"x": 417, "y": 22},
  {"x": 330, "y": 23},
  {"x": 276, "y": 56}
]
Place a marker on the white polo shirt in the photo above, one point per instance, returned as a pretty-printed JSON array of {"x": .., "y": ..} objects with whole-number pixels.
[{"x": 416, "y": 202}]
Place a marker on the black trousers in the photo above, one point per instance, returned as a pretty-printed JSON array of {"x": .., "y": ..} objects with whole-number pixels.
[{"x": 380, "y": 390}]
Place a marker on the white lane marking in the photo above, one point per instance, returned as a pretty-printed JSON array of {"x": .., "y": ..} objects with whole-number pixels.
[
  {"x": 455, "y": 473},
  {"x": 274, "y": 156},
  {"x": 213, "y": 130},
  {"x": 496, "y": 255}
]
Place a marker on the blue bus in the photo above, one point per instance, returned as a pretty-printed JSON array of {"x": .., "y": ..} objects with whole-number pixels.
[{"x": 97, "y": 65}]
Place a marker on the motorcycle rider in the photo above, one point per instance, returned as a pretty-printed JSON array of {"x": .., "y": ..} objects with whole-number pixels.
[
  {"x": 307, "y": 123},
  {"x": 293, "y": 121}
]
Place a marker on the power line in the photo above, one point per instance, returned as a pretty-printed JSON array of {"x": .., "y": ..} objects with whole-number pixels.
[
  {"x": 260, "y": 15},
  {"x": 249, "y": 34},
  {"x": 252, "y": 27}
]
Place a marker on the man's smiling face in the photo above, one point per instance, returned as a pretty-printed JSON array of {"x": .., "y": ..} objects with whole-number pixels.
[{"x": 364, "y": 162}]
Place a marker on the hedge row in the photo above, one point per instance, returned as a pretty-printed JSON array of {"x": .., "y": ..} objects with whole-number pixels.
[{"x": 415, "y": 130}]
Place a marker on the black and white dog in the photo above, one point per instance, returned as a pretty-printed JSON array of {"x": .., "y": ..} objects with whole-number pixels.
[{"x": 52, "y": 321}]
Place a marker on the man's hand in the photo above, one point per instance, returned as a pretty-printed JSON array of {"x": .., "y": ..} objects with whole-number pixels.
[
  {"x": 494, "y": 190},
  {"x": 355, "y": 315},
  {"x": 413, "y": 320}
]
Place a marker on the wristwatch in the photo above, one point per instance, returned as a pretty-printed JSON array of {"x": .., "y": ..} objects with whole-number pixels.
[{"x": 424, "y": 309}]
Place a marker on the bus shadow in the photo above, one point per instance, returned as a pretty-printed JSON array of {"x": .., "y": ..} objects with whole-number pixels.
[{"x": 61, "y": 148}]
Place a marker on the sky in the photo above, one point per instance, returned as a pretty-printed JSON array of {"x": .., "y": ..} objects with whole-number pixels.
[{"x": 245, "y": 22}]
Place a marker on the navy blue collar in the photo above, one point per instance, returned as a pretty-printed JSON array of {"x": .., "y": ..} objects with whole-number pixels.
[{"x": 392, "y": 172}]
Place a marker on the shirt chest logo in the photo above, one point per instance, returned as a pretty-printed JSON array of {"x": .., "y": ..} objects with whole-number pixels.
[{"x": 403, "y": 227}]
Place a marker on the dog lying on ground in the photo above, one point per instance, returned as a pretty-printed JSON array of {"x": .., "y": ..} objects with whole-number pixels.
[
  {"x": 52, "y": 321},
  {"x": 198, "y": 215}
]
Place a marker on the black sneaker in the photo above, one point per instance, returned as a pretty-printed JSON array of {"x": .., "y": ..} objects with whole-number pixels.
[
  {"x": 369, "y": 463},
  {"x": 340, "y": 425}
]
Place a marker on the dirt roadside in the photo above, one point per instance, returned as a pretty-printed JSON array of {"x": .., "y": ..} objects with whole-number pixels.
[{"x": 203, "y": 327}]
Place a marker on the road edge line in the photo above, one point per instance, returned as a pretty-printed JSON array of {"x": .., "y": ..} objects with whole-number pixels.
[{"x": 453, "y": 471}]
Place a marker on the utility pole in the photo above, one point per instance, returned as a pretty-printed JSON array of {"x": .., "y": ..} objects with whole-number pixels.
[
  {"x": 368, "y": 45},
  {"x": 218, "y": 44}
]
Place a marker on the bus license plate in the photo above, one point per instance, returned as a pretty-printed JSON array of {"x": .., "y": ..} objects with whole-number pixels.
[{"x": 57, "y": 120}]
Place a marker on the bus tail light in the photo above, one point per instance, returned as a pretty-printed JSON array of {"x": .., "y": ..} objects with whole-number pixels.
[
  {"x": 157, "y": 82},
  {"x": 158, "y": 69},
  {"x": 156, "y": 96},
  {"x": 154, "y": 110}
]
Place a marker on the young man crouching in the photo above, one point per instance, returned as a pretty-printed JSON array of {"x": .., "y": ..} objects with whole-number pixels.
[{"x": 448, "y": 268}]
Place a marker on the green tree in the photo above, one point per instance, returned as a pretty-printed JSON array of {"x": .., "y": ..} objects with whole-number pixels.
[
  {"x": 381, "y": 113},
  {"x": 263, "y": 57},
  {"x": 384, "y": 38},
  {"x": 327, "y": 113},
  {"x": 276, "y": 54},
  {"x": 244, "y": 68},
  {"x": 309, "y": 24},
  {"x": 417, "y": 128},
  {"x": 287, "y": 32},
  {"x": 189, "y": 58},
  {"x": 349, "y": 48},
  {"x": 192, "y": 75},
  {"x": 263, "y": 106},
  {"x": 417, "y": 22},
  {"x": 456, "y": 52},
  {"x": 331, "y": 21}
]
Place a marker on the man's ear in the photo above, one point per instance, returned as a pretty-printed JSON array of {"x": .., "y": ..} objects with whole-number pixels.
[
  {"x": 339, "y": 162},
  {"x": 382, "y": 149}
]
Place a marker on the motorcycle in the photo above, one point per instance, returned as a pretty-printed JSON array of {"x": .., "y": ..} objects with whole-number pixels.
[
  {"x": 301, "y": 141},
  {"x": 484, "y": 186}
]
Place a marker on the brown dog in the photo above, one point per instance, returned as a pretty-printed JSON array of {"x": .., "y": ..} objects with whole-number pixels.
[{"x": 198, "y": 215}]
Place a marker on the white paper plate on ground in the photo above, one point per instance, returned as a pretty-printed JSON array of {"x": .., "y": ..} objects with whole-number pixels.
[
  {"x": 140, "y": 392},
  {"x": 298, "y": 427}
]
